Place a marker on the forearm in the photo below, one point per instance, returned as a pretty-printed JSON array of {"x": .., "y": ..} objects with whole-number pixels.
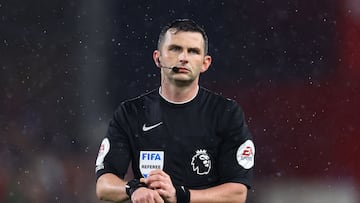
[
  {"x": 111, "y": 188},
  {"x": 228, "y": 192}
]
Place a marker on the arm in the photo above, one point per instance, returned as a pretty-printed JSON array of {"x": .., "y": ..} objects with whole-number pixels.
[
  {"x": 161, "y": 182},
  {"x": 227, "y": 192},
  {"x": 111, "y": 188}
]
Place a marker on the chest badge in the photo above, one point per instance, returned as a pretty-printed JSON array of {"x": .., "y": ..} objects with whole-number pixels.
[
  {"x": 201, "y": 162},
  {"x": 150, "y": 160}
]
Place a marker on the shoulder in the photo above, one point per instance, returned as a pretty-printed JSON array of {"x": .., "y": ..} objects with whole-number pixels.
[
  {"x": 141, "y": 98},
  {"x": 217, "y": 100},
  {"x": 136, "y": 103}
]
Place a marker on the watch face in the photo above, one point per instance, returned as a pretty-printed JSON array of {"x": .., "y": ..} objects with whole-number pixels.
[{"x": 132, "y": 183}]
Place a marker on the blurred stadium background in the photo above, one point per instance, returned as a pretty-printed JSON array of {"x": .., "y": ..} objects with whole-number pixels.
[{"x": 294, "y": 67}]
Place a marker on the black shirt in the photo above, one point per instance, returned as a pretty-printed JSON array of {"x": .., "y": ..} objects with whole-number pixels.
[{"x": 200, "y": 143}]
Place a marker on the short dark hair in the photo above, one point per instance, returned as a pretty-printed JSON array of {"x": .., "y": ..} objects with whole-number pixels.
[{"x": 186, "y": 25}]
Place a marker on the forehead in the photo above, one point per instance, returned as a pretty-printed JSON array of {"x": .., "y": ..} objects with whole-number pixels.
[{"x": 183, "y": 38}]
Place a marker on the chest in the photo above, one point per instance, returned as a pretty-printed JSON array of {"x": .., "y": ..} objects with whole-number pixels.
[
  {"x": 187, "y": 139},
  {"x": 184, "y": 128}
]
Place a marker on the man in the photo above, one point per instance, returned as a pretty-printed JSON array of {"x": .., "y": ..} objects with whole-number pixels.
[{"x": 185, "y": 143}]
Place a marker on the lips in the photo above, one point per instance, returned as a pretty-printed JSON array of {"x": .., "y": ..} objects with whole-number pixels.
[{"x": 183, "y": 69}]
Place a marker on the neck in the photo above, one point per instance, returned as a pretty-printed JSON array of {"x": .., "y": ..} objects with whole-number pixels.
[{"x": 177, "y": 94}]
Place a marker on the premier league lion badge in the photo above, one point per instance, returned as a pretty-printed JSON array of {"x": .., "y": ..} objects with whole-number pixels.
[{"x": 201, "y": 162}]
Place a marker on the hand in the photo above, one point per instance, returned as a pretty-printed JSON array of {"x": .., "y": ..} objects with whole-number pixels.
[
  {"x": 161, "y": 182},
  {"x": 146, "y": 195}
]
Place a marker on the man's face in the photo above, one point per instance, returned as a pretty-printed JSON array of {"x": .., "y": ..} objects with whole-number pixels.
[{"x": 184, "y": 50}]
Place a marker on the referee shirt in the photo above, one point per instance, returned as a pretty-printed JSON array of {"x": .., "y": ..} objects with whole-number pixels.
[{"x": 199, "y": 144}]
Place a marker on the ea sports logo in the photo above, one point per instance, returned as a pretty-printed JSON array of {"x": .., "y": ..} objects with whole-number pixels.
[
  {"x": 246, "y": 154},
  {"x": 201, "y": 162}
]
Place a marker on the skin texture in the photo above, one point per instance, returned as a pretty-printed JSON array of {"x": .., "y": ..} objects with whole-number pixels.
[{"x": 184, "y": 50}]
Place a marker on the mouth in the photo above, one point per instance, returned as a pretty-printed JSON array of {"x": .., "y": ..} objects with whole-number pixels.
[{"x": 181, "y": 69}]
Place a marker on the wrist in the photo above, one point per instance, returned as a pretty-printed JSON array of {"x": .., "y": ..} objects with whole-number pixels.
[
  {"x": 182, "y": 194},
  {"x": 133, "y": 185}
]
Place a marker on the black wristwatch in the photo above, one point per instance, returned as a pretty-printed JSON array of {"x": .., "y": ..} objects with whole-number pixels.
[{"x": 133, "y": 185}]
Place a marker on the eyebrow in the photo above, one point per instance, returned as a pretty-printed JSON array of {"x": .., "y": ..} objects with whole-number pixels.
[
  {"x": 171, "y": 46},
  {"x": 196, "y": 49}
]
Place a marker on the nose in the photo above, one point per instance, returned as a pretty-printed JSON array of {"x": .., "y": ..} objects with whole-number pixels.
[{"x": 183, "y": 57}]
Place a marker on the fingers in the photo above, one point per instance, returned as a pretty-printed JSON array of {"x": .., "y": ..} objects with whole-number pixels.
[
  {"x": 161, "y": 182},
  {"x": 158, "y": 179},
  {"x": 157, "y": 175},
  {"x": 145, "y": 195}
]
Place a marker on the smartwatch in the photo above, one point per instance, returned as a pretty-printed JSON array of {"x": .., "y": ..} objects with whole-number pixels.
[{"x": 133, "y": 185}]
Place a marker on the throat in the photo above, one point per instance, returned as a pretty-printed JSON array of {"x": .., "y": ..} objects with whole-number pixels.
[{"x": 179, "y": 96}]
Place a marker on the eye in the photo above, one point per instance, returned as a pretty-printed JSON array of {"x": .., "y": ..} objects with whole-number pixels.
[
  {"x": 194, "y": 51},
  {"x": 174, "y": 48}
]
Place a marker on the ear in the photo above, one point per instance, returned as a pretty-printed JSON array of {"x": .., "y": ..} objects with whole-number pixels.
[
  {"x": 156, "y": 58},
  {"x": 206, "y": 63}
]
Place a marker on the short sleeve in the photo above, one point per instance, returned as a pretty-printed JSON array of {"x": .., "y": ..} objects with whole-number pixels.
[
  {"x": 237, "y": 151},
  {"x": 114, "y": 153}
]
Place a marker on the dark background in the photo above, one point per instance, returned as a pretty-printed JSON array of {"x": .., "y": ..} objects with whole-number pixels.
[{"x": 294, "y": 67}]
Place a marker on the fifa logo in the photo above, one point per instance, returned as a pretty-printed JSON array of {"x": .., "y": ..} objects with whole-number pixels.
[
  {"x": 151, "y": 156},
  {"x": 201, "y": 162}
]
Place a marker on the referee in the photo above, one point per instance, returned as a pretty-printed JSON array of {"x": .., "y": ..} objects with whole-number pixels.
[{"x": 184, "y": 142}]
